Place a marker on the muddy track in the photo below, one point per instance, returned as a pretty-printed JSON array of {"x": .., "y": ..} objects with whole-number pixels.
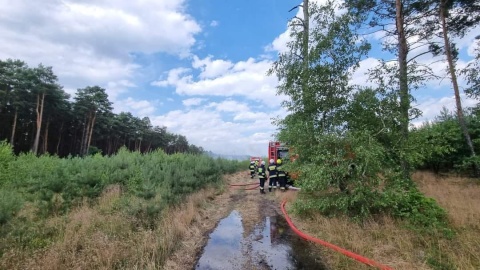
[{"x": 253, "y": 208}]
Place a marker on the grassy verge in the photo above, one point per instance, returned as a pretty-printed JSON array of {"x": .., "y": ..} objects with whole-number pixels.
[{"x": 394, "y": 243}]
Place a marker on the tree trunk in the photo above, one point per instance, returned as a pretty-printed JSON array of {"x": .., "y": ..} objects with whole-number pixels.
[
  {"x": 403, "y": 81},
  {"x": 307, "y": 97},
  {"x": 84, "y": 134},
  {"x": 92, "y": 123},
  {"x": 148, "y": 147},
  {"x": 453, "y": 76},
  {"x": 39, "y": 110},
  {"x": 14, "y": 127},
  {"x": 45, "y": 137},
  {"x": 59, "y": 138}
]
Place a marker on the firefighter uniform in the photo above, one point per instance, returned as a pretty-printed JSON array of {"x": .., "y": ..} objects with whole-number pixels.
[
  {"x": 262, "y": 176},
  {"x": 282, "y": 175},
  {"x": 272, "y": 175},
  {"x": 252, "y": 169}
]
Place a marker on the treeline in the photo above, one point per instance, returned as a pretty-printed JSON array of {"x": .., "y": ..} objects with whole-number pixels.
[
  {"x": 443, "y": 145},
  {"x": 37, "y": 115}
]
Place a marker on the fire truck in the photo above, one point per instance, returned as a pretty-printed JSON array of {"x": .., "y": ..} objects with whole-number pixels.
[
  {"x": 277, "y": 150},
  {"x": 259, "y": 159}
]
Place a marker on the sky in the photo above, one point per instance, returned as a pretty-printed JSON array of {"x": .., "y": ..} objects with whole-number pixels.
[{"x": 197, "y": 67}]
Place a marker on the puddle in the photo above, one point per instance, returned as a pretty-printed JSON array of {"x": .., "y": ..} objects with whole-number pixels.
[
  {"x": 224, "y": 249},
  {"x": 272, "y": 245}
]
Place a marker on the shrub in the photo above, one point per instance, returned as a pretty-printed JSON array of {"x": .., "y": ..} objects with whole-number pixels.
[{"x": 10, "y": 203}]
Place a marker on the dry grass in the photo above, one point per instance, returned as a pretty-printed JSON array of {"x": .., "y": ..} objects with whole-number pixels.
[
  {"x": 459, "y": 196},
  {"x": 101, "y": 237},
  {"x": 388, "y": 241}
]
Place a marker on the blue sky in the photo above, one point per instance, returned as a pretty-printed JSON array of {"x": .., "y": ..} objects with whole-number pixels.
[{"x": 197, "y": 67}]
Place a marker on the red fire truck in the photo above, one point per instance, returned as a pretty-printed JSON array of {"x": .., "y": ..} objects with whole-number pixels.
[
  {"x": 277, "y": 150},
  {"x": 259, "y": 159}
]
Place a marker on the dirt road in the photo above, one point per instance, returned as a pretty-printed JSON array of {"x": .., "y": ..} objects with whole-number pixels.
[{"x": 243, "y": 229}]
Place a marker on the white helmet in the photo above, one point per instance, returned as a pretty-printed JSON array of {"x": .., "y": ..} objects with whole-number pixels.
[
  {"x": 263, "y": 162},
  {"x": 272, "y": 161}
]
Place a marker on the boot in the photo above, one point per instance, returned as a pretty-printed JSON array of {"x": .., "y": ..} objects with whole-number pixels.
[
  {"x": 262, "y": 191},
  {"x": 269, "y": 189}
]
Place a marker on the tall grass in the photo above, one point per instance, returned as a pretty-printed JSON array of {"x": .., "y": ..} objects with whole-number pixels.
[{"x": 98, "y": 211}]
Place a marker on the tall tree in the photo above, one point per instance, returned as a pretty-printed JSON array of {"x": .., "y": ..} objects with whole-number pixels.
[
  {"x": 44, "y": 82},
  {"x": 456, "y": 18},
  {"x": 398, "y": 20},
  {"x": 317, "y": 104},
  {"x": 90, "y": 101},
  {"x": 443, "y": 12},
  {"x": 13, "y": 92}
]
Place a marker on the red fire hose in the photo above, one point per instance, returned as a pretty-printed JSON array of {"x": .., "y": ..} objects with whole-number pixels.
[
  {"x": 332, "y": 246},
  {"x": 244, "y": 185}
]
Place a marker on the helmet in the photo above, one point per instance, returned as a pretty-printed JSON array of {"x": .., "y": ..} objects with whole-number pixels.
[
  {"x": 272, "y": 161},
  {"x": 251, "y": 162},
  {"x": 279, "y": 161},
  {"x": 263, "y": 162}
]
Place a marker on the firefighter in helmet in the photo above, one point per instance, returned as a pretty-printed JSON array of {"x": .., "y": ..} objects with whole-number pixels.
[
  {"x": 282, "y": 175},
  {"x": 252, "y": 169},
  {"x": 262, "y": 176},
  {"x": 272, "y": 175}
]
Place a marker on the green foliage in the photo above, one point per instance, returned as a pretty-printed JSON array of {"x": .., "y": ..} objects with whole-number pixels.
[
  {"x": 10, "y": 203},
  {"x": 56, "y": 184},
  {"x": 6, "y": 156},
  {"x": 424, "y": 214},
  {"x": 441, "y": 146}
]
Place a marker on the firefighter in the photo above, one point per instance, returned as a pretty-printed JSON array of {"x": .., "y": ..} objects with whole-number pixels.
[
  {"x": 282, "y": 175},
  {"x": 262, "y": 176},
  {"x": 252, "y": 169},
  {"x": 272, "y": 175}
]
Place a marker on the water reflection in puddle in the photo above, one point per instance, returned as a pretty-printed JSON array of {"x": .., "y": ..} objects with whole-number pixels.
[
  {"x": 275, "y": 246},
  {"x": 272, "y": 245},
  {"x": 223, "y": 249}
]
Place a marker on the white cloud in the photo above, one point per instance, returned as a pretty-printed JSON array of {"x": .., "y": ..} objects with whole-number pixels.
[
  {"x": 279, "y": 44},
  {"x": 431, "y": 107},
  {"x": 140, "y": 108},
  {"x": 248, "y": 116},
  {"x": 244, "y": 78},
  {"x": 214, "y": 23},
  {"x": 229, "y": 106},
  {"x": 360, "y": 76},
  {"x": 204, "y": 127},
  {"x": 174, "y": 77},
  {"x": 90, "y": 42},
  {"x": 211, "y": 69},
  {"x": 193, "y": 101}
]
